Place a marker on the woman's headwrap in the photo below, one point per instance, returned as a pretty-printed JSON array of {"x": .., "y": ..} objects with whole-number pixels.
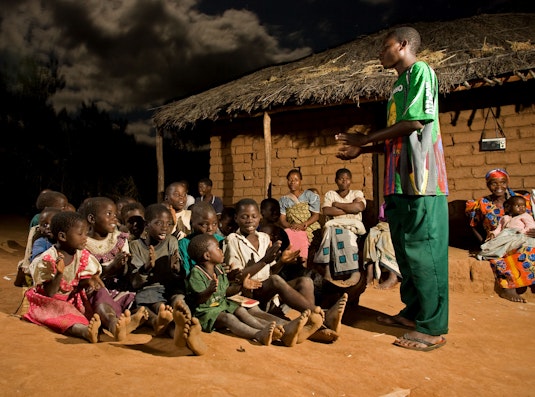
[{"x": 497, "y": 173}]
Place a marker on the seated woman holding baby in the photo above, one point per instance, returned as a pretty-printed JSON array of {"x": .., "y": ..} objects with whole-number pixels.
[{"x": 514, "y": 270}]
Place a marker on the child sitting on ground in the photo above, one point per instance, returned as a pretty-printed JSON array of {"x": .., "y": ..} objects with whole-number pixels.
[
  {"x": 47, "y": 198},
  {"x": 45, "y": 238},
  {"x": 110, "y": 247},
  {"x": 252, "y": 252},
  {"x": 158, "y": 278},
  {"x": 176, "y": 196},
  {"x": 209, "y": 289},
  {"x": 227, "y": 221},
  {"x": 65, "y": 277},
  {"x": 269, "y": 224},
  {"x": 270, "y": 210},
  {"x": 203, "y": 220},
  {"x": 134, "y": 218},
  {"x": 120, "y": 203}
]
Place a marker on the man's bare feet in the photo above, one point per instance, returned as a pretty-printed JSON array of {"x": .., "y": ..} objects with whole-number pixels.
[
  {"x": 324, "y": 335},
  {"x": 165, "y": 316},
  {"x": 92, "y": 329},
  {"x": 313, "y": 324},
  {"x": 293, "y": 328},
  {"x": 194, "y": 339},
  {"x": 396, "y": 321},
  {"x": 182, "y": 317},
  {"x": 333, "y": 316},
  {"x": 135, "y": 320},
  {"x": 119, "y": 331},
  {"x": 265, "y": 335},
  {"x": 389, "y": 283}
]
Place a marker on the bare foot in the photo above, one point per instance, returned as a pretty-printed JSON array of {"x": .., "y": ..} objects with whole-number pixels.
[
  {"x": 293, "y": 328},
  {"x": 193, "y": 332},
  {"x": 182, "y": 317},
  {"x": 333, "y": 316},
  {"x": 396, "y": 321},
  {"x": 92, "y": 329},
  {"x": 136, "y": 319},
  {"x": 165, "y": 316},
  {"x": 389, "y": 283},
  {"x": 265, "y": 335},
  {"x": 511, "y": 295},
  {"x": 119, "y": 333},
  {"x": 324, "y": 335},
  {"x": 278, "y": 332},
  {"x": 314, "y": 323}
]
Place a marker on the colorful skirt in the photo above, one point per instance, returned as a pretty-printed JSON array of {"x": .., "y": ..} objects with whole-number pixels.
[
  {"x": 59, "y": 312},
  {"x": 516, "y": 269}
]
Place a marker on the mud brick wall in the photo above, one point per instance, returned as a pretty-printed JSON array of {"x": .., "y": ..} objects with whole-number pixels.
[
  {"x": 467, "y": 165},
  {"x": 306, "y": 139}
]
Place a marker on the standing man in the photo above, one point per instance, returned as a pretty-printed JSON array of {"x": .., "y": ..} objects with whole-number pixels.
[{"x": 416, "y": 190}]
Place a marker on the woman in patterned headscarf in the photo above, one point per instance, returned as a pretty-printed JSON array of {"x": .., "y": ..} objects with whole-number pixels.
[{"x": 517, "y": 268}]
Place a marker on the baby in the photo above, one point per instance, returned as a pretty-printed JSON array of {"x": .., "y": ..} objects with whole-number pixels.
[{"x": 516, "y": 218}]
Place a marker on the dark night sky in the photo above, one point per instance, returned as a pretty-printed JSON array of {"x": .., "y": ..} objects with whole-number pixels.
[{"x": 129, "y": 56}]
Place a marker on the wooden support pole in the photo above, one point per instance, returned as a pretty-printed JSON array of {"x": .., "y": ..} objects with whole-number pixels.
[
  {"x": 267, "y": 153},
  {"x": 160, "y": 164}
]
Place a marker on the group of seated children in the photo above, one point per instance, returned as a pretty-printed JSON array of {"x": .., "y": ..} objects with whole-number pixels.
[
  {"x": 179, "y": 269},
  {"x": 186, "y": 269}
]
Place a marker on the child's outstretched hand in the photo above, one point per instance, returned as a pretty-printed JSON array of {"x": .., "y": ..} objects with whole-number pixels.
[
  {"x": 248, "y": 283},
  {"x": 272, "y": 252}
]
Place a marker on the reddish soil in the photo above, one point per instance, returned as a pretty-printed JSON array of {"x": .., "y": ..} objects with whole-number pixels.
[{"x": 487, "y": 353}]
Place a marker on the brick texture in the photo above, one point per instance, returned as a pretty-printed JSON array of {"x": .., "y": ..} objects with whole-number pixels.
[{"x": 305, "y": 140}]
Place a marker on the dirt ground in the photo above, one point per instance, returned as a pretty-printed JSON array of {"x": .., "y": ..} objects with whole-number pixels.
[{"x": 488, "y": 353}]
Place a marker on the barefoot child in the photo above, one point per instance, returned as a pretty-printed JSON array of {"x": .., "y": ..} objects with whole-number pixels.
[
  {"x": 203, "y": 220},
  {"x": 47, "y": 198},
  {"x": 44, "y": 236},
  {"x": 209, "y": 289},
  {"x": 176, "y": 195},
  {"x": 110, "y": 247},
  {"x": 159, "y": 280},
  {"x": 64, "y": 276},
  {"x": 252, "y": 252}
]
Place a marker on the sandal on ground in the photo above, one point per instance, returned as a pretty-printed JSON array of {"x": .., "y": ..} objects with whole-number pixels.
[{"x": 428, "y": 345}]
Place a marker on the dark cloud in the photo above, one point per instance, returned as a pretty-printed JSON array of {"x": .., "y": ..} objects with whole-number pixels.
[{"x": 127, "y": 55}]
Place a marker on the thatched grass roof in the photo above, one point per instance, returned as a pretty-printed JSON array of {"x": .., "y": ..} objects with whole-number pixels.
[{"x": 482, "y": 48}]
